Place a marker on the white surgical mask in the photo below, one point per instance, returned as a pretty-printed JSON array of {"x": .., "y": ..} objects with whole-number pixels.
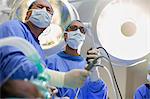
[
  {"x": 148, "y": 77},
  {"x": 75, "y": 39},
  {"x": 41, "y": 18}
]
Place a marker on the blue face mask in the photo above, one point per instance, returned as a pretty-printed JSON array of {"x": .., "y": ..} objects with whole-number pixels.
[
  {"x": 75, "y": 39},
  {"x": 40, "y": 18}
]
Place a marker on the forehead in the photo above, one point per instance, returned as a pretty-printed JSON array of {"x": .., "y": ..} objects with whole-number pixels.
[
  {"x": 77, "y": 23},
  {"x": 43, "y": 3}
]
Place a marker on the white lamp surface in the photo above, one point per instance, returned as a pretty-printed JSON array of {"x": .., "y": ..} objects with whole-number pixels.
[{"x": 123, "y": 29}]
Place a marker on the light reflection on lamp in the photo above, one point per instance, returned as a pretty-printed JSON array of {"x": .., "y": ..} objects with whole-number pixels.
[
  {"x": 51, "y": 36},
  {"x": 123, "y": 31}
]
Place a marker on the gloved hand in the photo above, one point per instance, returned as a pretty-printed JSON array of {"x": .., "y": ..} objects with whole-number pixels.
[
  {"x": 72, "y": 79},
  {"x": 92, "y": 54},
  {"x": 94, "y": 74},
  {"x": 75, "y": 78}
]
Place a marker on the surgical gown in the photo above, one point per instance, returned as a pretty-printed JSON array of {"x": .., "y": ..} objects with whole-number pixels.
[
  {"x": 143, "y": 92},
  {"x": 11, "y": 58},
  {"x": 64, "y": 62}
]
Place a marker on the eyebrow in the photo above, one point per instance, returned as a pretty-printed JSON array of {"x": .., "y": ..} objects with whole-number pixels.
[
  {"x": 43, "y": 5},
  {"x": 80, "y": 24}
]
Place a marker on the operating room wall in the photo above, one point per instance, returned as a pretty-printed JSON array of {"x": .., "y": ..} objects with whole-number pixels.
[{"x": 129, "y": 79}]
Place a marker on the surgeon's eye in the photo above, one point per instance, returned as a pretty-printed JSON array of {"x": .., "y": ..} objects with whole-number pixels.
[
  {"x": 73, "y": 28},
  {"x": 40, "y": 6},
  {"x": 83, "y": 30},
  {"x": 50, "y": 10}
]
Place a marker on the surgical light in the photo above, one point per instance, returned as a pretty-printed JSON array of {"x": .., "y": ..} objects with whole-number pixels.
[{"x": 123, "y": 30}]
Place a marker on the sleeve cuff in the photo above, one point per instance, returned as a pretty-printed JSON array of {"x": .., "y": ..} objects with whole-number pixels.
[{"x": 96, "y": 86}]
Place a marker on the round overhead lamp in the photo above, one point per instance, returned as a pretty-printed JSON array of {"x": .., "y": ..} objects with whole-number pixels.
[{"x": 123, "y": 30}]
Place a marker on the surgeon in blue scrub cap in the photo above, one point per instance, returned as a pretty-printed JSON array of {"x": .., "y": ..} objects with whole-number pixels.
[
  {"x": 38, "y": 18},
  {"x": 70, "y": 58},
  {"x": 143, "y": 92}
]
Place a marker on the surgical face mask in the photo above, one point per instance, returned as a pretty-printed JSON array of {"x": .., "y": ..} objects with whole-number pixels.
[
  {"x": 75, "y": 39},
  {"x": 148, "y": 77},
  {"x": 41, "y": 18}
]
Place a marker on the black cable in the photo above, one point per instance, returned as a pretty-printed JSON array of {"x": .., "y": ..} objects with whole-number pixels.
[
  {"x": 111, "y": 69},
  {"x": 91, "y": 65}
]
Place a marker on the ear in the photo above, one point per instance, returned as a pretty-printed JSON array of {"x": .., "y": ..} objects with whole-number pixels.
[
  {"x": 28, "y": 14},
  {"x": 65, "y": 36}
]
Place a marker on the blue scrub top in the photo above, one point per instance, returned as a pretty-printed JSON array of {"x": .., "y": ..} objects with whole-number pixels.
[
  {"x": 11, "y": 57},
  {"x": 143, "y": 92},
  {"x": 64, "y": 62}
]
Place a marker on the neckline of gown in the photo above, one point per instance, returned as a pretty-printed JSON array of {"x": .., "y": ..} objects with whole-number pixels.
[{"x": 62, "y": 54}]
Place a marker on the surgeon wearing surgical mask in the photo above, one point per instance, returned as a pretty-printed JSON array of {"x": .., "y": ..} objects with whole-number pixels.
[
  {"x": 70, "y": 58},
  {"x": 143, "y": 92},
  {"x": 38, "y": 18}
]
